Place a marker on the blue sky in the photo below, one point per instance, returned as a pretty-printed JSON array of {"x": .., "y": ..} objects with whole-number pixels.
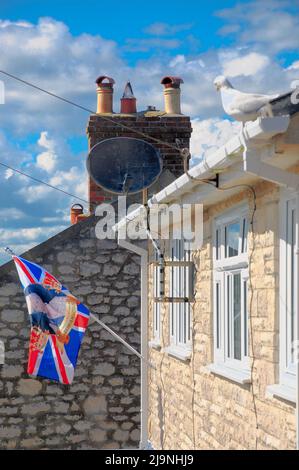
[
  {"x": 122, "y": 20},
  {"x": 64, "y": 45}
]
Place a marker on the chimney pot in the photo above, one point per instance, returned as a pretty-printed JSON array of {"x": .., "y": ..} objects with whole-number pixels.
[
  {"x": 105, "y": 94},
  {"x": 128, "y": 101},
  {"x": 172, "y": 94},
  {"x": 76, "y": 211}
]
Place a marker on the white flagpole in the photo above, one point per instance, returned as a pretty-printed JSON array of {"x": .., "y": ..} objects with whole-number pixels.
[{"x": 115, "y": 335}]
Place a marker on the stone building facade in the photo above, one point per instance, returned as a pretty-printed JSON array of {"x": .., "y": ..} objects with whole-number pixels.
[
  {"x": 203, "y": 410},
  {"x": 191, "y": 404}
]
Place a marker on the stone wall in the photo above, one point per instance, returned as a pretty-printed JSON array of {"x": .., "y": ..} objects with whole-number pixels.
[
  {"x": 101, "y": 409},
  {"x": 192, "y": 408}
]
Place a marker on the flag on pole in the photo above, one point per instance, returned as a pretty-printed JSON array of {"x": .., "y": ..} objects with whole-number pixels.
[{"x": 58, "y": 323}]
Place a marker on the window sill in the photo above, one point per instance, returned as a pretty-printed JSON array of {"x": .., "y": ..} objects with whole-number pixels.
[
  {"x": 238, "y": 376},
  {"x": 282, "y": 392},
  {"x": 178, "y": 353},
  {"x": 154, "y": 344}
]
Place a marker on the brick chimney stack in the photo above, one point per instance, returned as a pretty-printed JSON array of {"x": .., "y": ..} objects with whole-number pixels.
[
  {"x": 172, "y": 94},
  {"x": 105, "y": 94},
  {"x": 128, "y": 101},
  {"x": 169, "y": 126}
]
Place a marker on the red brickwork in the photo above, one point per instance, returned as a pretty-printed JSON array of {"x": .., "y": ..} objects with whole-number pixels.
[{"x": 165, "y": 128}]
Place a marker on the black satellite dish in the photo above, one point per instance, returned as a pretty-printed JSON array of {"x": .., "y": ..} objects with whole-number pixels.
[{"x": 123, "y": 165}]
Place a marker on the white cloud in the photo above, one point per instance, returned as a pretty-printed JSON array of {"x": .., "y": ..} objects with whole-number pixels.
[
  {"x": 23, "y": 24},
  {"x": 294, "y": 65},
  {"x": 249, "y": 64},
  {"x": 70, "y": 65},
  {"x": 11, "y": 214},
  {"x": 165, "y": 29},
  {"x": 32, "y": 234},
  {"x": 45, "y": 142},
  {"x": 209, "y": 135},
  {"x": 144, "y": 45},
  {"x": 8, "y": 173},
  {"x": 34, "y": 193},
  {"x": 270, "y": 26},
  {"x": 46, "y": 160}
]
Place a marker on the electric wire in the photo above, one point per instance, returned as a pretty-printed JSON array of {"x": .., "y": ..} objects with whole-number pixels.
[{"x": 37, "y": 180}]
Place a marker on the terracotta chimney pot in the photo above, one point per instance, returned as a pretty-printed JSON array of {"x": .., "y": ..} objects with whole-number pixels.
[
  {"x": 76, "y": 212},
  {"x": 128, "y": 101},
  {"x": 172, "y": 94}
]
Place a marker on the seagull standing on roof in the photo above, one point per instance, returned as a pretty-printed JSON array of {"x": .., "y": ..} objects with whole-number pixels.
[{"x": 242, "y": 106}]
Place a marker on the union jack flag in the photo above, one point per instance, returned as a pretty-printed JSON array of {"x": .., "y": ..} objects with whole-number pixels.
[{"x": 58, "y": 323}]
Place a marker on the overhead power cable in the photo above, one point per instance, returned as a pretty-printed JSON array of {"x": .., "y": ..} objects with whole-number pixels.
[
  {"x": 37, "y": 180},
  {"x": 83, "y": 108}
]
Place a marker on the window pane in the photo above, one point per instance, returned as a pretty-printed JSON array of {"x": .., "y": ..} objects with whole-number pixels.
[
  {"x": 218, "y": 315},
  {"x": 244, "y": 235},
  {"x": 292, "y": 283},
  {"x": 189, "y": 322},
  {"x": 172, "y": 291},
  {"x": 228, "y": 315},
  {"x": 232, "y": 235},
  {"x": 245, "y": 313},
  {"x": 218, "y": 244},
  {"x": 237, "y": 315}
]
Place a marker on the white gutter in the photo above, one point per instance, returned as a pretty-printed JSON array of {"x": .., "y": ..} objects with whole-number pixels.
[
  {"x": 144, "y": 337},
  {"x": 259, "y": 132}
]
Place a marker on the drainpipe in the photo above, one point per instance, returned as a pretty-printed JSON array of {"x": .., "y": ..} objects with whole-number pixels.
[
  {"x": 297, "y": 335},
  {"x": 144, "y": 444}
]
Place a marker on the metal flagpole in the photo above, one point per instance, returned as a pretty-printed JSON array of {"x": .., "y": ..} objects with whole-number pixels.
[{"x": 119, "y": 338}]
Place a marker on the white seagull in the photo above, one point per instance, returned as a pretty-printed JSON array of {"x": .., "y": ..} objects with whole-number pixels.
[{"x": 242, "y": 106}]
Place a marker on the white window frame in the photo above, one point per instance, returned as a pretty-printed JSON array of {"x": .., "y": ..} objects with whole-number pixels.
[
  {"x": 224, "y": 270},
  {"x": 287, "y": 286},
  {"x": 180, "y": 285}
]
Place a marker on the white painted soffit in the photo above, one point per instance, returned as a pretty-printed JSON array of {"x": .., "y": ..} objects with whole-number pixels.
[{"x": 258, "y": 133}]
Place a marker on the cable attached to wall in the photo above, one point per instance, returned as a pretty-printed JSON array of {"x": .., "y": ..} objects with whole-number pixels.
[
  {"x": 215, "y": 183},
  {"x": 252, "y": 251}
]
